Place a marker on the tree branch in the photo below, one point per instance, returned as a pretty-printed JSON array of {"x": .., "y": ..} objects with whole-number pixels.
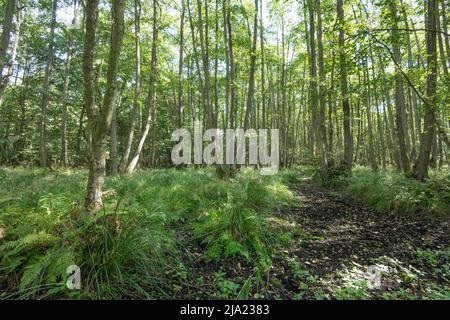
[{"x": 421, "y": 97}]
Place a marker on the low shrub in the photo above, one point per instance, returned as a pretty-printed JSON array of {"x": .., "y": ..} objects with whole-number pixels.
[
  {"x": 391, "y": 190},
  {"x": 132, "y": 248},
  {"x": 238, "y": 227}
]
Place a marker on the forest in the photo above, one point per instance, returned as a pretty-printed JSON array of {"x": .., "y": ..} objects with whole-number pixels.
[{"x": 343, "y": 193}]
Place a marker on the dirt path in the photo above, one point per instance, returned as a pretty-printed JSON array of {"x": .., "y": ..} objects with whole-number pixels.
[
  {"x": 347, "y": 237},
  {"x": 335, "y": 240}
]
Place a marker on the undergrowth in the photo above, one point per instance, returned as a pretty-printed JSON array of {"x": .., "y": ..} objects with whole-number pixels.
[
  {"x": 132, "y": 248},
  {"x": 390, "y": 190},
  {"x": 178, "y": 233}
]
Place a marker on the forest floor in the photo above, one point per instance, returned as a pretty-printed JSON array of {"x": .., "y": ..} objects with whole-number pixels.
[
  {"x": 186, "y": 234},
  {"x": 410, "y": 252},
  {"x": 349, "y": 250}
]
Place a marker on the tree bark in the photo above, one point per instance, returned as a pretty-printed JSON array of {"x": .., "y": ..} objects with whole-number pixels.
[
  {"x": 348, "y": 143},
  {"x": 100, "y": 120},
  {"x": 232, "y": 118},
  {"x": 251, "y": 76},
  {"x": 210, "y": 119},
  {"x": 314, "y": 98},
  {"x": 4, "y": 81},
  {"x": 263, "y": 76},
  {"x": 322, "y": 83},
  {"x": 444, "y": 27},
  {"x": 195, "y": 53},
  {"x": 413, "y": 105},
  {"x": 151, "y": 94},
  {"x": 45, "y": 91},
  {"x": 400, "y": 116},
  {"x": 180, "y": 69},
  {"x": 113, "y": 144},
  {"x": 65, "y": 99},
  {"x": 6, "y": 32},
  {"x": 137, "y": 86},
  {"x": 423, "y": 161},
  {"x": 372, "y": 156}
]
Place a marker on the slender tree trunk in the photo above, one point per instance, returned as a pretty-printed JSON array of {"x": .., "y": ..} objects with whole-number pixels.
[
  {"x": 445, "y": 29},
  {"x": 45, "y": 91},
  {"x": 372, "y": 156},
  {"x": 4, "y": 81},
  {"x": 263, "y": 77},
  {"x": 423, "y": 161},
  {"x": 6, "y": 32},
  {"x": 393, "y": 132},
  {"x": 441, "y": 48},
  {"x": 113, "y": 144},
  {"x": 113, "y": 165},
  {"x": 314, "y": 98},
  {"x": 65, "y": 99},
  {"x": 20, "y": 144},
  {"x": 137, "y": 86},
  {"x": 205, "y": 60},
  {"x": 180, "y": 69},
  {"x": 358, "y": 122},
  {"x": 400, "y": 116},
  {"x": 251, "y": 77},
  {"x": 331, "y": 107},
  {"x": 322, "y": 84},
  {"x": 100, "y": 120},
  {"x": 151, "y": 93},
  {"x": 232, "y": 117},
  {"x": 216, "y": 65},
  {"x": 153, "y": 145},
  {"x": 348, "y": 143},
  {"x": 414, "y": 112},
  {"x": 227, "y": 64},
  {"x": 434, "y": 151},
  {"x": 379, "y": 122},
  {"x": 195, "y": 53}
]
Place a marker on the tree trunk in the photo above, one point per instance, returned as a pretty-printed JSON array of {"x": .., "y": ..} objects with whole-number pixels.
[
  {"x": 413, "y": 106},
  {"x": 151, "y": 94},
  {"x": 180, "y": 69},
  {"x": 113, "y": 144},
  {"x": 423, "y": 161},
  {"x": 45, "y": 91},
  {"x": 4, "y": 81},
  {"x": 195, "y": 53},
  {"x": 251, "y": 76},
  {"x": 314, "y": 98},
  {"x": 210, "y": 120},
  {"x": 6, "y": 32},
  {"x": 400, "y": 116},
  {"x": 100, "y": 120},
  {"x": 216, "y": 64},
  {"x": 322, "y": 84},
  {"x": 372, "y": 156},
  {"x": 232, "y": 118},
  {"x": 137, "y": 86},
  {"x": 65, "y": 99},
  {"x": 348, "y": 143},
  {"x": 263, "y": 78},
  {"x": 441, "y": 48},
  {"x": 444, "y": 27},
  {"x": 227, "y": 65},
  {"x": 282, "y": 90}
]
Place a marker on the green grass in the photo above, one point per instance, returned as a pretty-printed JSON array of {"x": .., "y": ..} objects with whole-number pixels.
[
  {"x": 161, "y": 213},
  {"x": 180, "y": 233},
  {"x": 390, "y": 190}
]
